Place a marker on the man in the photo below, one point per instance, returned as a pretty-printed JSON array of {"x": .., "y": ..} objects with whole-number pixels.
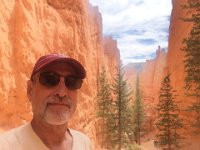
[{"x": 52, "y": 91}]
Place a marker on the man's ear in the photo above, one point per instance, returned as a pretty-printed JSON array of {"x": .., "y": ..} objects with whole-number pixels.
[{"x": 29, "y": 89}]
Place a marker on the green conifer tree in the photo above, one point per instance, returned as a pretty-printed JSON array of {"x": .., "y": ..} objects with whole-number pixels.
[
  {"x": 104, "y": 103},
  {"x": 121, "y": 112},
  {"x": 192, "y": 60},
  {"x": 168, "y": 122},
  {"x": 138, "y": 113}
]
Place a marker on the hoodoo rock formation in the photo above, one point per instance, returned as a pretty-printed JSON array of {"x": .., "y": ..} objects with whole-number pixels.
[{"x": 29, "y": 29}]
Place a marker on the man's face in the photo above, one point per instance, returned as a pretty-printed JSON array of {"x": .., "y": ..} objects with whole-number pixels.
[{"x": 53, "y": 105}]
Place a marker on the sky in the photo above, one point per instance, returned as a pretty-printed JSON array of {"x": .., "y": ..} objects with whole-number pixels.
[{"x": 139, "y": 26}]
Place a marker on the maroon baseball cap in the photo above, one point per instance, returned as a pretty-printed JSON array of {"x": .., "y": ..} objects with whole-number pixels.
[{"x": 45, "y": 60}]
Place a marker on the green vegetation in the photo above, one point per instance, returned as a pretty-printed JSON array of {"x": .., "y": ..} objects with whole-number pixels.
[
  {"x": 121, "y": 111},
  {"x": 120, "y": 119},
  {"x": 168, "y": 122},
  {"x": 115, "y": 112},
  {"x": 138, "y": 113},
  {"x": 104, "y": 103}
]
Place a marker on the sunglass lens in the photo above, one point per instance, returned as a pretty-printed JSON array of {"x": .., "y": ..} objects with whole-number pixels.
[
  {"x": 73, "y": 82},
  {"x": 49, "y": 79}
]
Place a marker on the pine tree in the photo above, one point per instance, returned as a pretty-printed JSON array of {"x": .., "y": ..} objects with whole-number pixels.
[
  {"x": 192, "y": 60},
  {"x": 138, "y": 113},
  {"x": 104, "y": 103},
  {"x": 168, "y": 122},
  {"x": 121, "y": 111}
]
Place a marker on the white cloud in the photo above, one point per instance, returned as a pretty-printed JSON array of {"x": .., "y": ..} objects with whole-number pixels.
[{"x": 139, "y": 26}]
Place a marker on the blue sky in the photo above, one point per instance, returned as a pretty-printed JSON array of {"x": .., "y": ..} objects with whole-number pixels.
[{"x": 139, "y": 26}]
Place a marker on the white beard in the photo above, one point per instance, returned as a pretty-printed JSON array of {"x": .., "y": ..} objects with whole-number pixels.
[{"x": 54, "y": 117}]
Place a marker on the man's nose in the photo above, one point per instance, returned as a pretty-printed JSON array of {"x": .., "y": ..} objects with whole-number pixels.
[{"x": 61, "y": 89}]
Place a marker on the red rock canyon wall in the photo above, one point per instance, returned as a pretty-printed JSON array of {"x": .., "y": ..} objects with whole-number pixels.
[{"x": 175, "y": 60}]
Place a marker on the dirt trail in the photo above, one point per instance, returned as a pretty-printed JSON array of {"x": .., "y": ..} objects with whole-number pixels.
[
  {"x": 149, "y": 145},
  {"x": 191, "y": 144}
]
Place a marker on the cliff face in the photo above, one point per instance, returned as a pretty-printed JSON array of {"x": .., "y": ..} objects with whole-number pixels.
[
  {"x": 175, "y": 60},
  {"x": 29, "y": 29},
  {"x": 111, "y": 56}
]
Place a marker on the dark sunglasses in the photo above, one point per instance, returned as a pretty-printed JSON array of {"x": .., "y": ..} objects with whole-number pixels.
[{"x": 52, "y": 79}]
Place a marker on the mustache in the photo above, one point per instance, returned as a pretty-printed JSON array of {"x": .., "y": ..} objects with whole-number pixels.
[{"x": 55, "y": 99}]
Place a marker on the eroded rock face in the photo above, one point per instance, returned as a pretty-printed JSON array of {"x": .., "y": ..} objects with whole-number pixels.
[
  {"x": 29, "y": 29},
  {"x": 63, "y": 4},
  {"x": 111, "y": 56},
  {"x": 175, "y": 61}
]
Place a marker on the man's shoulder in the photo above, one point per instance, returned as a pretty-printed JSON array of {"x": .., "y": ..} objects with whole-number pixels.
[
  {"x": 10, "y": 138},
  {"x": 12, "y": 132},
  {"x": 21, "y": 138}
]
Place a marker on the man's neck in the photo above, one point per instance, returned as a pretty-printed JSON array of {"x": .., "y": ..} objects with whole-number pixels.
[{"x": 53, "y": 136}]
